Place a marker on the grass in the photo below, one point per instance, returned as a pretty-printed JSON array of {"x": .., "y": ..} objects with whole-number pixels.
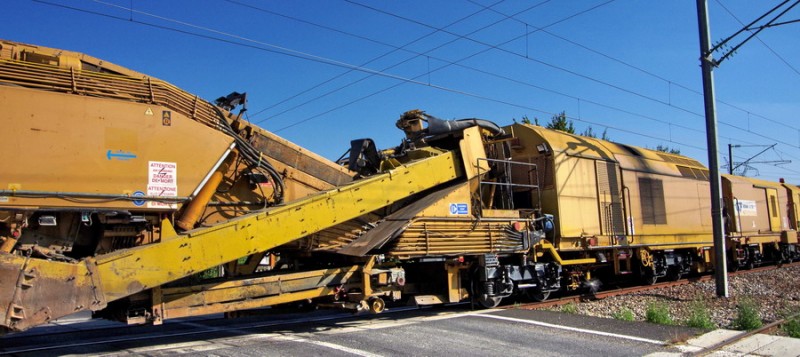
[
  {"x": 792, "y": 326},
  {"x": 658, "y": 313},
  {"x": 570, "y": 308},
  {"x": 699, "y": 316},
  {"x": 625, "y": 314},
  {"x": 747, "y": 316}
]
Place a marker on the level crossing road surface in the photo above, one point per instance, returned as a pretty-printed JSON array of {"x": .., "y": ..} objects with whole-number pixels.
[{"x": 449, "y": 331}]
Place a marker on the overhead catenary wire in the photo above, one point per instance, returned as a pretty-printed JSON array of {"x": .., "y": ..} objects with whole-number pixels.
[
  {"x": 283, "y": 53},
  {"x": 722, "y": 5},
  {"x": 417, "y": 54},
  {"x": 396, "y": 48},
  {"x": 560, "y": 68},
  {"x": 669, "y": 82},
  {"x": 485, "y": 7}
]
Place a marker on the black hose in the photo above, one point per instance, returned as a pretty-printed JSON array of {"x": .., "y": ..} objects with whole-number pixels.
[
  {"x": 253, "y": 156},
  {"x": 438, "y": 126}
]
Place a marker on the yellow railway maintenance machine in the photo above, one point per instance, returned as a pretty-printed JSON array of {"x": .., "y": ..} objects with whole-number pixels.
[
  {"x": 140, "y": 202},
  {"x": 136, "y": 200}
]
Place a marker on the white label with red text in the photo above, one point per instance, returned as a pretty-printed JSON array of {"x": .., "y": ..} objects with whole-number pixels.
[{"x": 162, "y": 181}]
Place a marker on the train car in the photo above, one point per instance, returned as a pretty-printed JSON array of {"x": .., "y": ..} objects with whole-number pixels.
[
  {"x": 632, "y": 209},
  {"x": 793, "y": 191},
  {"x": 758, "y": 221}
]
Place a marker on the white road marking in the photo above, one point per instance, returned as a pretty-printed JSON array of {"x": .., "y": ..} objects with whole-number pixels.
[
  {"x": 334, "y": 346},
  {"x": 575, "y": 329},
  {"x": 199, "y": 346}
]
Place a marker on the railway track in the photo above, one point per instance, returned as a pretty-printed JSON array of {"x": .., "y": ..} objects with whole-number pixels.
[
  {"x": 74, "y": 338},
  {"x": 635, "y": 289},
  {"x": 729, "y": 341}
]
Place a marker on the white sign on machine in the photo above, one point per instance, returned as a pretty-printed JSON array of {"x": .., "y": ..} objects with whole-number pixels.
[
  {"x": 746, "y": 208},
  {"x": 162, "y": 181}
]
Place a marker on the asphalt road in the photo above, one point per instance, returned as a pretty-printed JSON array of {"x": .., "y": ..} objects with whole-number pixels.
[{"x": 454, "y": 332}]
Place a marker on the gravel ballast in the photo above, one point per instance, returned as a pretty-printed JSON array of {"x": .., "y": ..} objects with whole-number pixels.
[{"x": 774, "y": 292}]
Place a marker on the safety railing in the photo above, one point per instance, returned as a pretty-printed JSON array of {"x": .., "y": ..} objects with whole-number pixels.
[{"x": 505, "y": 178}]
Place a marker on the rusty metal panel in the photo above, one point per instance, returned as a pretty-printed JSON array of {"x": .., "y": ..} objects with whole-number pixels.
[{"x": 36, "y": 291}]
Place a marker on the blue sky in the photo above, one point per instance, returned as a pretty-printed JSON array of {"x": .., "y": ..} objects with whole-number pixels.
[{"x": 321, "y": 73}]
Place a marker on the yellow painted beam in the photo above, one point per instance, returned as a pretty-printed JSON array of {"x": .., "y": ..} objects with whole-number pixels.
[
  {"x": 126, "y": 272},
  {"x": 61, "y": 288},
  {"x": 554, "y": 253},
  {"x": 185, "y": 311}
]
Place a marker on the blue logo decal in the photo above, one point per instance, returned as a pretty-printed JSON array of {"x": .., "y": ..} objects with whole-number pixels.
[
  {"x": 459, "y": 208},
  {"x": 120, "y": 155},
  {"x": 138, "y": 202}
]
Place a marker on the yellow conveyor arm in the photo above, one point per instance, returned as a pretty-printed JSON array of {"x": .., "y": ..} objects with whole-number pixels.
[{"x": 34, "y": 291}]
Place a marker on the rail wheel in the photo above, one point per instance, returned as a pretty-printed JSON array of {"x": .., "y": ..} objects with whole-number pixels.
[
  {"x": 674, "y": 274},
  {"x": 537, "y": 295},
  {"x": 376, "y": 305},
  {"x": 648, "y": 275},
  {"x": 733, "y": 266},
  {"x": 489, "y": 302}
]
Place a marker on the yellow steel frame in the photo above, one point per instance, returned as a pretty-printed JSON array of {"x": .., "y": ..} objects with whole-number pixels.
[
  {"x": 252, "y": 293},
  {"x": 550, "y": 248},
  {"x": 93, "y": 282}
]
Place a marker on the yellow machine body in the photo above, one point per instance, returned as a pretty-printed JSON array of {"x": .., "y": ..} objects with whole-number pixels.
[
  {"x": 136, "y": 200},
  {"x": 606, "y": 194}
]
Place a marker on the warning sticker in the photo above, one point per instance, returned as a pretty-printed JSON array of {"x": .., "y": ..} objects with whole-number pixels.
[
  {"x": 3, "y": 199},
  {"x": 162, "y": 181},
  {"x": 148, "y": 112}
]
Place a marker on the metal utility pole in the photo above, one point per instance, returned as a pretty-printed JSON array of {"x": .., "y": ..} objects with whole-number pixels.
[
  {"x": 746, "y": 163},
  {"x": 707, "y": 62},
  {"x": 730, "y": 157}
]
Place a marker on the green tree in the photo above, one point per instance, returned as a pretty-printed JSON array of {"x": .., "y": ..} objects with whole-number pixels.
[
  {"x": 589, "y": 132},
  {"x": 605, "y": 136},
  {"x": 525, "y": 120},
  {"x": 560, "y": 122},
  {"x": 667, "y": 149}
]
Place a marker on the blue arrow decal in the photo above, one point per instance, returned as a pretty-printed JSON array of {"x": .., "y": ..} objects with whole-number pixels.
[{"x": 120, "y": 155}]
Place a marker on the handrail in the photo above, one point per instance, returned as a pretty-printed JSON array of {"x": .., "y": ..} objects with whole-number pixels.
[{"x": 508, "y": 167}]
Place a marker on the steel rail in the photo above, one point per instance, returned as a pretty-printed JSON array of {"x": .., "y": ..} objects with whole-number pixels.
[
  {"x": 205, "y": 330},
  {"x": 635, "y": 289}
]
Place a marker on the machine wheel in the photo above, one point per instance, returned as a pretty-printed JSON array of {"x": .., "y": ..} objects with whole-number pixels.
[
  {"x": 537, "y": 295},
  {"x": 376, "y": 305},
  {"x": 733, "y": 267},
  {"x": 648, "y": 275},
  {"x": 489, "y": 303},
  {"x": 674, "y": 274}
]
